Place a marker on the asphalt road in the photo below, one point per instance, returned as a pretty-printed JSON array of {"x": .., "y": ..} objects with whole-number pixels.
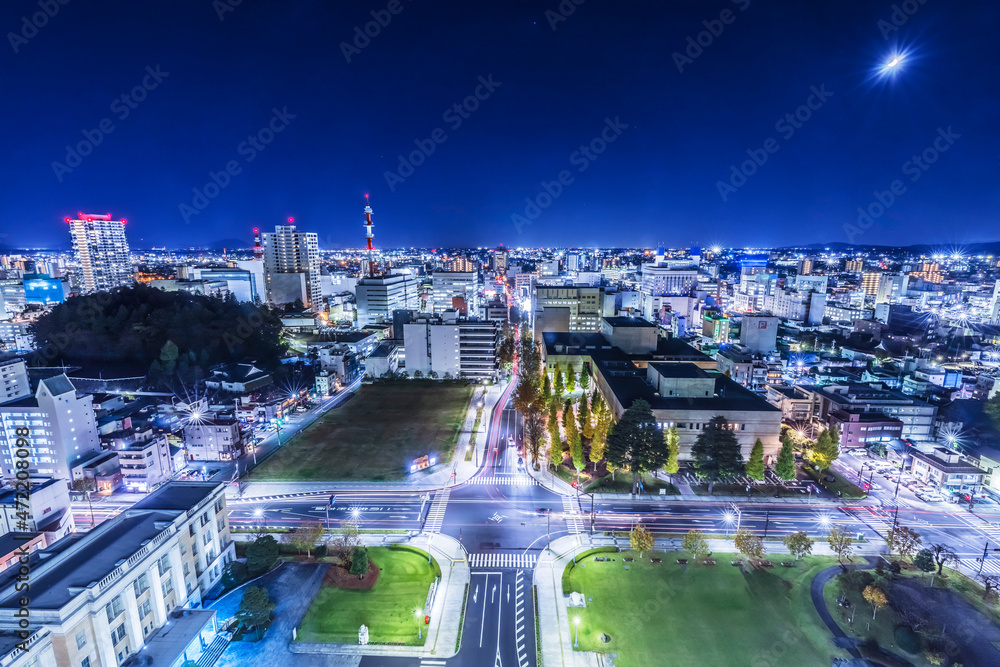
[{"x": 505, "y": 519}]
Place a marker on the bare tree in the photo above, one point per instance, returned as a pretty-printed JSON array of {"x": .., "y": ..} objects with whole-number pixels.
[{"x": 943, "y": 554}]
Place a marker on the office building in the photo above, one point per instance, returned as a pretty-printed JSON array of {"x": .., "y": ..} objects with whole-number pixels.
[
  {"x": 576, "y": 308},
  {"x": 102, "y": 251},
  {"x": 377, "y": 297},
  {"x": 451, "y": 344},
  {"x": 14, "y": 382},
  {"x": 865, "y": 414},
  {"x": 759, "y": 333},
  {"x": 291, "y": 267},
  {"x": 458, "y": 290},
  {"x": 132, "y": 585},
  {"x": 891, "y": 288}
]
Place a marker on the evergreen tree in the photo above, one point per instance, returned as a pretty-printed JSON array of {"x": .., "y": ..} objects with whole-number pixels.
[
  {"x": 546, "y": 391},
  {"x": 570, "y": 380},
  {"x": 785, "y": 466},
  {"x": 827, "y": 449},
  {"x": 755, "y": 466},
  {"x": 558, "y": 387},
  {"x": 636, "y": 442},
  {"x": 717, "y": 452},
  {"x": 585, "y": 378},
  {"x": 555, "y": 440},
  {"x": 586, "y": 423},
  {"x": 575, "y": 442},
  {"x": 673, "y": 451}
]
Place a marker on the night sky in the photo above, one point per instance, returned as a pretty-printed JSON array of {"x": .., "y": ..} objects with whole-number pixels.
[{"x": 608, "y": 77}]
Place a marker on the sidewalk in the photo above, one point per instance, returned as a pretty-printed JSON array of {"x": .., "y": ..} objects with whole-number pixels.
[
  {"x": 557, "y": 647},
  {"x": 439, "y": 478},
  {"x": 446, "y": 613}
]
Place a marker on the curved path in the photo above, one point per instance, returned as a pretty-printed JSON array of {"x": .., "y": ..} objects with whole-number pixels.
[{"x": 816, "y": 591}]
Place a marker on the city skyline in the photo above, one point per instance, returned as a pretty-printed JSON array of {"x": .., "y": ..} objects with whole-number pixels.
[{"x": 820, "y": 110}]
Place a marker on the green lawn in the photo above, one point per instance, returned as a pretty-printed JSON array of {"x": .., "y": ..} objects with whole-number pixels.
[
  {"x": 659, "y": 614},
  {"x": 387, "y": 609},
  {"x": 375, "y": 435}
]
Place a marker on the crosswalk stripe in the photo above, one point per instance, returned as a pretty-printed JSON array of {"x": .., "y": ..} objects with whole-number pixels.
[
  {"x": 989, "y": 567},
  {"x": 435, "y": 515},
  {"x": 495, "y": 480},
  {"x": 505, "y": 561},
  {"x": 572, "y": 516}
]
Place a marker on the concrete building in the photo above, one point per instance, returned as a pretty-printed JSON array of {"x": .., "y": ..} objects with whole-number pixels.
[
  {"x": 759, "y": 333},
  {"x": 102, "y": 251},
  {"x": 146, "y": 462},
  {"x": 48, "y": 513},
  {"x": 292, "y": 268},
  {"x": 14, "y": 384},
  {"x": 947, "y": 470},
  {"x": 454, "y": 288},
  {"x": 891, "y": 288},
  {"x": 130, "y": 585},
  {"x": 56, "y": 426},
  {"x": 383, "y": 361},
  {"x": 866, "y": 414},
  {"x": 808, "y": 307},
  {"x": 213, "y": 438},
  {"x": 450, "y": 344},
  {"x": 577, "y": 308},
  {"x": 341, "y": 360},
  {"x": 715, "y": 325},
  {"x": 378, "y": 297}
]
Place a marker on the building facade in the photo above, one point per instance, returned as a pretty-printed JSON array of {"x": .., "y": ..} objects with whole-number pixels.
[
  {"x": 289, "y": 251},
  {"x": 102, "y": 251}
]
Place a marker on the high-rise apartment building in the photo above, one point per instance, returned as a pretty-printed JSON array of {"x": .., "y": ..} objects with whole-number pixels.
[
  {"x": 805, "y": 266},
  {"x": 101, "y": 250},
  {"x": 854, "y": 265},
  {"x": 291, "y": 267},
  {"x": 870, "y": 281},
  {"x": 377, "y": 297},
  {"x": 58, "y": 425},
  {"x": 462, "y": 264},
  {"x": 891, "y": 287},
  {"x": 575, "y": 308}
]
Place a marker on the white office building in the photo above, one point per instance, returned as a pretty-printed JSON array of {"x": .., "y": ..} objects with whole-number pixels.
[
  {"x": 450, "y": 344},
  {"x": 377, "y": 297},
  {"x": 451, "y": 285}
]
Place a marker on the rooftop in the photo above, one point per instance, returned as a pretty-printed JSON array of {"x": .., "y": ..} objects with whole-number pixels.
[
  {"x": 177, "y": 495},
  {"x": 637, "y": 322},
  {"x": 679, "y": 370}
]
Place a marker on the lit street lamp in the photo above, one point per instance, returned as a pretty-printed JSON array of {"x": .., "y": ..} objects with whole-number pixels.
[
  {"x": 576, "y": 642},
  {"x": 419, "y": 614}
]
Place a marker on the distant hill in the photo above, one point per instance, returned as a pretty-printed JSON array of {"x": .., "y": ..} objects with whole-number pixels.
[{"x": 986, "y": 248}]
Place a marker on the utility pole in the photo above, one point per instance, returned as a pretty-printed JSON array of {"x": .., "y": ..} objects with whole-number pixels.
[{"x": 767, "y": 521}]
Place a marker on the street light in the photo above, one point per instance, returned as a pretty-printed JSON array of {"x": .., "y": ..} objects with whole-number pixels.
[
  {"x": 419, "y": 614},
  {"x": 576, "y": 642}
]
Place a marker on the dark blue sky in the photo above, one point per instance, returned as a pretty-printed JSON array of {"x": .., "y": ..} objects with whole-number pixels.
[{"x": 656, "y": 182}]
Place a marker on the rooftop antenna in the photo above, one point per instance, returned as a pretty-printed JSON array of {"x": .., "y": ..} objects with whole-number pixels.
[{"x": 369, "y": 238}]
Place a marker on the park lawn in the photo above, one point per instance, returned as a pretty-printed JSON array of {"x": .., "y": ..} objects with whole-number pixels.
[
  {"x": 387, "y": 609},
  {"x": 658, "y": 614},
  {"x": 375, "y": 435}
]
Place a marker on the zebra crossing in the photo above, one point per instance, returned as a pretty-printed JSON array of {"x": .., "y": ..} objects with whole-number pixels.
[
  {"x": 878, "y": 520},
  {"x": 499, "y": 560},
  {"x": 504, "y": 480},
  {"x": 571, "y": 510},
  {"x": 991, "y": 566},
  {"x": 519, "y": 636},
  {"x": 435, "y": 515}
]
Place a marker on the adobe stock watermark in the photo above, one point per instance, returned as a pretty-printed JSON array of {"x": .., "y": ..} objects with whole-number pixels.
[
  {"x": 696, "y": 45},
  {"x": 915, "y": 167},
  {"x": 898, "y": 17},
  {"x": 248, "y": 149},
  {"x": 122, "y": 107},
  {"x": 581, "y": 158},
  {"x": 30, "y": 25},
  {"x": 786, "y": 126},
  {"x": 562, "y": 12},
  {"x": 223, "y": 7},
  {"x": 454, "y": 116},
  {"x": 372, "y": 29}
]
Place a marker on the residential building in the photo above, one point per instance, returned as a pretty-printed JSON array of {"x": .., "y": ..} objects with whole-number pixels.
[
  {"x": 292, "y": 268},
  {"x": 56, "y": 426},
  {"x": 102, "y": 251},
  {"x": 238, "y": 378},
  {"x": 130, "y": 585},
  {"x": 870, "y": 282},
  {"x": 102, "y": 470},
  {"x": 715, "y": 325},
  {"x": 342, "y": 360},
  {"x": 947, "y": 470},
  {"x": 453, "y": 345},
  {"x": 383, "y": 361},
  {"x": 14, "y": 382},
  {"x": 211, "y": 437},
  {"x": 146, "y": 462}
]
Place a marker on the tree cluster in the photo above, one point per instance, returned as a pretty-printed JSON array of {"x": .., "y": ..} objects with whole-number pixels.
[{"x": 170, "y": 334}]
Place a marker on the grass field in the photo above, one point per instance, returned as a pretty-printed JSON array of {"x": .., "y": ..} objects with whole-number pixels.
[
  {"x": 660, "y": 614},
  {"x": 388, "y": 609},
  {"x": 375, "y": 435}
]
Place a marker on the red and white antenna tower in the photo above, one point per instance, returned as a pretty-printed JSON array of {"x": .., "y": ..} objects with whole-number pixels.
[
  {"x": 369, "y": 236},
  {"x": 258, "y": 250}
]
